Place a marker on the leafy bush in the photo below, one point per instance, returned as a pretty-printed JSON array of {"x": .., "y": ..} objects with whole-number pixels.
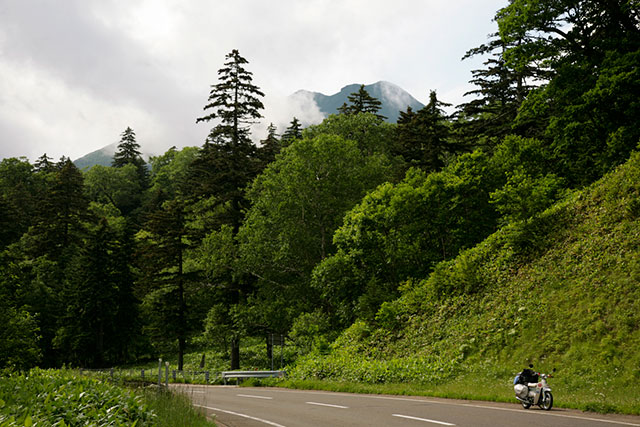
[{"x": 61, "y": 398}]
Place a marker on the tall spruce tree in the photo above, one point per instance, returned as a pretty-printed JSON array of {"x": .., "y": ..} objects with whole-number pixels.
[
  {"x": 362, "y": 102},
  {"x": 229, "y": 160},
  {"x": 235, "y": 100}
]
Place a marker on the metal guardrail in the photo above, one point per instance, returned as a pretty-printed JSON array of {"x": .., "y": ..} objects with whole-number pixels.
[
  {"x": 160, "y": 376},
  {"x": 251, "y": 374}
]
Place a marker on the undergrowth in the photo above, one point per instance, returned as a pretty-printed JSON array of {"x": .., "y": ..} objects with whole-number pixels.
[{"x": 65, "y": 398}]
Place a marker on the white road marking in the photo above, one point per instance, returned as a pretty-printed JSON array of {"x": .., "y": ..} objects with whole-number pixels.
[
  {"x": 327, "y": 404},
  {"x": 438, "y": 402},
  {"x": 602, "y": 420},
  {"x": 271, "y": 423},
  {"x": 422, "y": 419},
  {"x": 254, "y": 397}
]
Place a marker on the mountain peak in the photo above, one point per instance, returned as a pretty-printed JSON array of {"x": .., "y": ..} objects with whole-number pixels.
[{"x": 394, "y": 99}]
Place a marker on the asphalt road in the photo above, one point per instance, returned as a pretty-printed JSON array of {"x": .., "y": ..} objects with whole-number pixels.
[{"x": 233, "y": 406}]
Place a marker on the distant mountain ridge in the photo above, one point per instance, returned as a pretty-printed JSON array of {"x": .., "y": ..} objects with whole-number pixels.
[
  {"x": 103, "y": 157},
  {"x": 394, "y": 99}
]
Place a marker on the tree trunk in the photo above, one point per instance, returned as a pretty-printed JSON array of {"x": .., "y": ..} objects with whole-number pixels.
[
  {"x": 181, "y": 348},
  {"x": 270, "y": 351},
  {"x": 235, "y": 353}
]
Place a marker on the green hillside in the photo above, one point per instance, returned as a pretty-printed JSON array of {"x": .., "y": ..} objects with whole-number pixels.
[
  {"x": 103, "y": 156},
  {"x": 560, "y": 290}
]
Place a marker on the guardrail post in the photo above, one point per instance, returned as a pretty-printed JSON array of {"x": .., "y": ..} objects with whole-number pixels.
[
  {"x": 159, "y": 372},
  {"x": 111, "y": 373},
  {"x": 166, "y": 374},
  {"x": 206, "y": 377}
]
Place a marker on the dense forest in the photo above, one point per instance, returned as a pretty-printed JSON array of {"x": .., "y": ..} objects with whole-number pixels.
[{"x": 312, "y": 231}]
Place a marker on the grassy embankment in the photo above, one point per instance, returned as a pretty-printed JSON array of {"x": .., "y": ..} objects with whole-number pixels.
[
  {"x": 65, "y": 398},
  {"x": 561, "y": 290}
]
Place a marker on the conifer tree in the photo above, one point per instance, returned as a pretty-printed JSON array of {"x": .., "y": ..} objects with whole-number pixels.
[
  {"x": 128, "y": 152},
  {"x": 293, "y": 132},
  {"x": 96, "y": 327},
  {"x": 229, "y": 160},
  {"x": 500, "y": 90},
  {"x": 269, "y": 147},
  {"x": 362, "y": 102},
  {"x": 235, "y": 100},
  {"x": 44, "y": 164},
  {"x": 163, "y": 245},
  {"x": 424, "y": 136}
]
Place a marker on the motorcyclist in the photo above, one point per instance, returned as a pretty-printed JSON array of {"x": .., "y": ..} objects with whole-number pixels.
[{"x": 528, "y": 375}]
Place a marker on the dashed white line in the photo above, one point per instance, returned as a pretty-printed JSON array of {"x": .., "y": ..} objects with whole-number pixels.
[
  {"x": 252, "y": 396},
  {"x": 550, "y": 414},
  {"x": 423, "y": 419},
  {"x": 271, "y": 423},
  {"x": 327, "y": 404}
]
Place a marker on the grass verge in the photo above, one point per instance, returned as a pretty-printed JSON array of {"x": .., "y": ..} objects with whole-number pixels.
[{"x": 66, "y": 398}]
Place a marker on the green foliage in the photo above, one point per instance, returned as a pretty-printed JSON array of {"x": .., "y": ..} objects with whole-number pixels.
[
  {"x": 424, "y": 136},
  {"x": 120, "y": 187},
  {"x": 402, "y": 231},
  {"x": 19, "y": 338},
  {"x": 529, "y": 188},
  {"x": 297, "y": 204},
  {"x": 559, "y": 290},
  {"x": 292, "y": 132},
  {"x": 371, "y": 135},
  {"x": 523, "y": 196},
  {"x": 173, "y": 410},
  {"x": 99, "y": 319},
  {"x": 587, "y": 109},
  {"x": 128, "y": 153},
  {"x": 311, "y": 332},
  {"x": 61, "y": 398},
  {"x": 170, "y": 171}
]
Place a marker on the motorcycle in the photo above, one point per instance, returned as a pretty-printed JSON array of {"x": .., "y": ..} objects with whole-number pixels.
[{"x": 535, "y": 393}]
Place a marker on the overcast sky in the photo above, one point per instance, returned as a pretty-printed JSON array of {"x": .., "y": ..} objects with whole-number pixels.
[{"x": 75, "y": 73}]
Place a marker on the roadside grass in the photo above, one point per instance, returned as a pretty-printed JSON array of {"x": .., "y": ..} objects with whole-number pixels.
[
  {"x": 174, "y": 409},
  {"x": 611, "y": 398},
  {"x": 66, "y": 398}
]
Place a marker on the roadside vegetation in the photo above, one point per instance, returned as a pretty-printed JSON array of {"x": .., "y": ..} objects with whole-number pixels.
[{"x": 65, "y": 398}]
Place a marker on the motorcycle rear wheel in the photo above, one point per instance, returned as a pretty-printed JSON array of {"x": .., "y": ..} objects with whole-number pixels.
[
  {"x": 547, "y": 401},
  {"x": 525, "y": 405}
]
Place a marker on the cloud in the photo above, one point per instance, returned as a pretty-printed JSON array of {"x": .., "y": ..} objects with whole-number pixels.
[
  {"x": 280, "y": 111},
  {"x": 75, "y": 74}
]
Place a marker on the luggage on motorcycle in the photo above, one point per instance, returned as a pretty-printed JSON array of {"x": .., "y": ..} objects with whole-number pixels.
[{"x": 521, "y": 390}]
